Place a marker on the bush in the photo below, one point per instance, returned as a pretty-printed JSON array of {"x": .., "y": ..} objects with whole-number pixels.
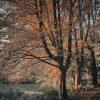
[
  {"x": 10, "y": 95},
  {"x": 85, "y": 87},
  {"x": 4, "y": 79}
]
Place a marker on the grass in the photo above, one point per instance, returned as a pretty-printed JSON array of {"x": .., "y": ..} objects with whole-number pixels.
[
  {"x": 12, "y": 94},
  {"x": 49, "y": 93}
]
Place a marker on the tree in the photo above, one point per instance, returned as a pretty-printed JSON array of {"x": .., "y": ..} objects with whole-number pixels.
[
  {"x": 47, "y": 26},
  {"x": 55, "y": 37},
  {"x": 87, "y": 12},
  {"x": 92, "y": 14}
]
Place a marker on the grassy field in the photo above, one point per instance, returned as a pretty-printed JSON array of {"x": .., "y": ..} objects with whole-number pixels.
[{"x": 35, "y": 92}]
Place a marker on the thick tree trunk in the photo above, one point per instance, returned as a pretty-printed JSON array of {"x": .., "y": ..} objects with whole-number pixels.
[
  {"x": 61, "y": 84},
  {"x": 64, "y": 86},
  {"x": 63, "y": 90},
  {"x": 93, "y": 68}
]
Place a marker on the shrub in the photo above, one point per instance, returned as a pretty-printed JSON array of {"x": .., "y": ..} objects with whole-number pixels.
[{"x": 10, "y": 95}]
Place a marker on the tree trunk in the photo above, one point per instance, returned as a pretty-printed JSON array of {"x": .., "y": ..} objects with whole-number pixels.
[
  {"x": 77, "y": 63},
  {"x": 61, "y": 84},
  {"x": 81, "y": 64},
  {"x": 93, "y": 68},
  {"x": 76, "y": 79},
  {"x": 63, "y": 90}
]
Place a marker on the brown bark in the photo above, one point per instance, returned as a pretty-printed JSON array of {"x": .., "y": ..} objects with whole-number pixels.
[
  {"x": 77, "y": 71},
  {"x": 76, "y": 79}
]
